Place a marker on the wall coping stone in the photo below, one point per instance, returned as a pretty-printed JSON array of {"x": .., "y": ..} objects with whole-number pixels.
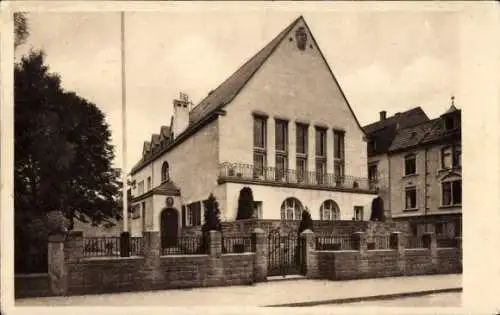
[
  {"x": 416, "y": 249},
  {"x": 338, "y": 251},
  {"x": 90, "y": 259},
  {"x": 184, "y": 256},
  {"x": 31, "y": 275},
  {"x": 239, "y": 254}
]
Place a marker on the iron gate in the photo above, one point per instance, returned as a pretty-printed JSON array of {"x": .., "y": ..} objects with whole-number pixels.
[{"x": 286, "y": 254}]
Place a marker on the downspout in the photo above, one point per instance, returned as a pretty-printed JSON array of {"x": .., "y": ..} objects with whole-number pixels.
[{"x": 425, "y": 189}]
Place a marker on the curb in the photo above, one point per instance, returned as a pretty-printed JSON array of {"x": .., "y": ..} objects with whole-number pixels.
[{"x": 368, "y": 298}]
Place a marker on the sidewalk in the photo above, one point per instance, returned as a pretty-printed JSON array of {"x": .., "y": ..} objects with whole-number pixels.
[{"x": 281, "y": 293}]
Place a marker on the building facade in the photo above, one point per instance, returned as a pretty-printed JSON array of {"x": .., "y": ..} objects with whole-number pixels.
[
  {"x": 417, "y": 166},
  {"x": 280, "y": 125}
]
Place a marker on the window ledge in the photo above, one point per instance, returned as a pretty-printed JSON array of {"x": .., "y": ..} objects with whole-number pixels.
[
  {"x": 450, "y": 206},
  {"x": 410, "y": 210},
  {"x": 410, "y": 175}
]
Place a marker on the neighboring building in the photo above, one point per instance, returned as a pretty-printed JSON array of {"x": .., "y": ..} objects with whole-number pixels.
[
  {"x": 417, "y": 164},
  {"x": 280, "y": 125}
]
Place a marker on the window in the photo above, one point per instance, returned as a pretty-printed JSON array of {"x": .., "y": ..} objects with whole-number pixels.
[
  {"x": 260, "y": 132},
  {"x": 259, "y": 144},
  {"x": 257, "y": 209},
  {"x": 446, "y": 158},
  {"x": 165, "y": 176},
  {"x": 320, "y": 142},
  {"x": 411, "y": 198},
  {"x": 338, "y": 154},
  {"x": 329, "y": 211},
  {"x": 452, "y": 193},
  {"x": 439, "y": 228},
  {"x": 302, "y": 139},
  {"x": 140, "y": 188},
  {"x": 301, "y": 169},
  {"x": 143, "y": 216},
  {"x": 301, "y": 155},
  {"x": 320, "y": 155},
  {"x": 457, "y": 156},
  {"x": 414, "y": 229},
  {"x": 149, "y": 183},
  {"x": 291, "y": 209},
  {"x": 281, "y": 133},
  {"x": 358, "y": 213},
  {"x": 410, "y": 164},
  {"x": 449, "y": 123},
  {"x": 372, "y": 172},
  {"x": 193, "y": 214}
]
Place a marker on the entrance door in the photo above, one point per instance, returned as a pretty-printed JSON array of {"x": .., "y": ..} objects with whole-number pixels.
[
  {"x": 169, "y": 227},
  {"x": 286, "y": 254}
]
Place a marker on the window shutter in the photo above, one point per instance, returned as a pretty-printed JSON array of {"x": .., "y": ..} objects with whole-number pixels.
[{"x": 183, "y": 216}]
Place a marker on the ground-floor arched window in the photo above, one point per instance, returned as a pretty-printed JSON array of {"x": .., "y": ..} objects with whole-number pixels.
[
  {"x": 291, "y": 209},
  {"x": 329, "y": 210}
]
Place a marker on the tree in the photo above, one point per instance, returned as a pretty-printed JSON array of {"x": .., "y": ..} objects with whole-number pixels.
[
  {"x": 245, "y": 204},
  {"x": 306, "y": 223},
  {"x": 21, "y": 30},
  {"x": 211, "y": 215},
  {"x": 377, "y": 210},
  {"x": 62, "y": 149}
]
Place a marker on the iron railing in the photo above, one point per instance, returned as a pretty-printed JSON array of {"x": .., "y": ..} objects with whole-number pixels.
[
  {"x": 187, "y": 245},
  {"x": 446, "y": 242},
  {"x": 411, "y": 242},
  {"x": 109, "y": 246},
  {"x": 275, "y": 175},
  {"x": 379, "y": 242},
  {"x": 101, "y": 246},
  {"x": 334, "y": 242},
  {"x": 35, "y": 261},
  {"x": 236, "y": 245}
]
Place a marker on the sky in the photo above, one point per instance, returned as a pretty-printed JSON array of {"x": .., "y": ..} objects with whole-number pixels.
[{"x": 383, "y": 60}]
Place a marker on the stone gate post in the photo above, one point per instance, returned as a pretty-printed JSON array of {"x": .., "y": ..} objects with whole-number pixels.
[{"x": 260, "y": 250}]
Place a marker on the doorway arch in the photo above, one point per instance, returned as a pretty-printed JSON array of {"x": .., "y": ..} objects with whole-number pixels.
[{"x": 169, "y": 227}]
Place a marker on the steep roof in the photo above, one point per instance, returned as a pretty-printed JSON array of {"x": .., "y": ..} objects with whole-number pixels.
[
  {"x": 411, "y": 136},
  {"x": 438, "y": 132},
  {"x": 383, "y": 133},
  {"x": 228, "y": 89}
]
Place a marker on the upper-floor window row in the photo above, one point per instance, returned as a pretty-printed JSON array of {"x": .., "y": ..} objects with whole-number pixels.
[
  {"x": 320, "y": 142},
  {"x": 260, "y": 132},
  {"x": 451, "y": 156},
  {"x": 410, "y": 164},
  {"x": 281, "y": 135}
]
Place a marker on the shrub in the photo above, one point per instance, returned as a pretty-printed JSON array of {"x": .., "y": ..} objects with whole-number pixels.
[
  {"x": 306, "y": 223},
  {"x": 212, "y": 220}
]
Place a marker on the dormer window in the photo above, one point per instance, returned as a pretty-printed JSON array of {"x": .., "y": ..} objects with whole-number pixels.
[{"x": 449, "y": 123}]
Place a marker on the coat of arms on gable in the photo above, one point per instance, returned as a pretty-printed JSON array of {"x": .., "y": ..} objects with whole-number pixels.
[{"x": 301, "y": 38}]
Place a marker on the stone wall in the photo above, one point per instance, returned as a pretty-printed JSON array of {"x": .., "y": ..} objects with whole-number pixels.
[
  {"x": 70, "y": 273},
  {"x": 31, "y": 285},
  {"x": 396, "y": 261}
]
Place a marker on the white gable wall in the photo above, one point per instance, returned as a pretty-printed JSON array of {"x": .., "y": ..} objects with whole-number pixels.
[{"x": 292, "y": 84}]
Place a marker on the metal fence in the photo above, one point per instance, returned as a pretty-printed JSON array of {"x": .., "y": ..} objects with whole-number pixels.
[
  {"x": 446, "y": 242},
  {"x": 101, "y": 246},
  {"x": 187, "y": 245},
  {"x": 334, "y": 242},
  {"x": 411, "y": 241},
  {"x": 379, "y": 242},
  {"x": 136, "y": 246},
  {"x": 32, "y": 261},
  {"x": 236, "y": 244}
]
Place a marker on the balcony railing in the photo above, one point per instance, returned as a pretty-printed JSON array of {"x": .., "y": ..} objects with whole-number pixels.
[{"x": 276, "y": 175}]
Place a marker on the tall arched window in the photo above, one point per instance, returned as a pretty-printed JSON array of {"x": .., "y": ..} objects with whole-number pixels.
[
  {"x": 164, "y": 172},
  {"x": 329, "y": 210},
  {"x": 291, "y": 209}
]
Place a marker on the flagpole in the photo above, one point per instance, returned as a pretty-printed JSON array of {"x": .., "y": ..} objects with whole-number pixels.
[{"x": 124, "y": 126}]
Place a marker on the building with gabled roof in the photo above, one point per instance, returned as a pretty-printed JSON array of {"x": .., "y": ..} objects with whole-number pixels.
[
  {"x": 418, "y": 170},
  {"x": 280, "y": 125}
]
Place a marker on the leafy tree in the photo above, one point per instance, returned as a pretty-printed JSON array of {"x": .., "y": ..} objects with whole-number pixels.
[
  {"x": 245, "y": 204},
  {"x": 21, "y": 30},
  {"x": 377, "y": 210},
  {"x": 306, "y": 223},
  {"x": 62, "y": 150},
  {"x": 211, "y": 215}
]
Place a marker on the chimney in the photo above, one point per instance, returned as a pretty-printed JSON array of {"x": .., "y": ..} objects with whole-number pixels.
[
  {"x": 181, "y": 115},
  {"x": 383, "y": 115}
]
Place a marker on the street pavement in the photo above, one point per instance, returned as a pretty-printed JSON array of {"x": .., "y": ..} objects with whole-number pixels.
[{"x": 273, "y": 293}]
